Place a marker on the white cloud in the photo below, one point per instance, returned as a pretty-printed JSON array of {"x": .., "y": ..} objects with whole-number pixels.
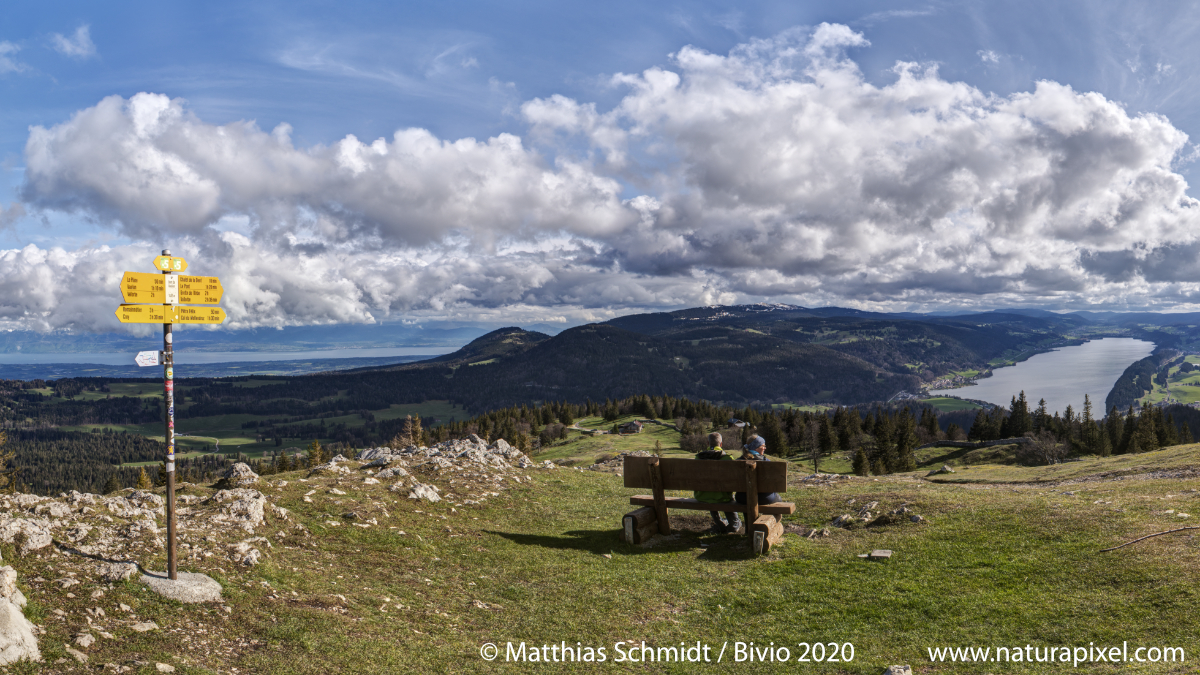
[
  {"x": 8, "y": 61},
  {"x": 773, "y": 172},
  {"x": 78, "y": 46},
  {"x": 988, "y": 56}
]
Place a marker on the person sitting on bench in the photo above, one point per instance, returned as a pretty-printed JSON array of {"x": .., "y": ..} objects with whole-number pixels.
[
  {"x": 755, "y": 449},
  {"x": 715, "y": 452}
]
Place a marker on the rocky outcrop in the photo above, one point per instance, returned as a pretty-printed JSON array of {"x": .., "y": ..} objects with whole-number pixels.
[{"x": 237, "y": 476}]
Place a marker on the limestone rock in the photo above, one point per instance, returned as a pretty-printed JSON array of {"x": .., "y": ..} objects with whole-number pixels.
[
  {"x": 329, "y": 469},
  {"x": 394, "y": 472},
  {"x": 844, "y": 520},
  {"x": 34, "y": 534},
  {"x": 370, "y": 481},
  {"x": 84, "y": 640},
  {"x": 245, "y": 554},
  {"x": 378, "y": 461},
  {"x": 144, "y": 626},
  {"x": 117, "y": 571},
  {"x": 244, "y": 508},
  {"x": 17, "y": 641},
  {"x": 898, "y": 670},
  {"x": 76, "y": 654},
  {"x": 238, "y": 475},
  {"x": 427, "y": 492},
  {"x": 164, "y": 667}
]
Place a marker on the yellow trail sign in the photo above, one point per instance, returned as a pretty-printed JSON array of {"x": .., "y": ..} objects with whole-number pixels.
[
  {"x": 169, "y": 314},
  {"x": 168, "y": 263},
  {"x": 145, "y": 314},
  {"x": 146, "y": 287},
  {"x": 199, "y": 315},
  {"x": 199, "y": 290}
]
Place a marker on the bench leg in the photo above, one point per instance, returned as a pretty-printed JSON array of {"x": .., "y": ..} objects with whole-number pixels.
[
  {"x": 767, "y": 531},
  {"x": 640, "y": 525}
]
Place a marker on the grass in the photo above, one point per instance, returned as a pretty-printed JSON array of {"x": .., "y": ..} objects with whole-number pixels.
[
  {"x": 949, "y": 403},
  {"x": 1002, "y": 564}
]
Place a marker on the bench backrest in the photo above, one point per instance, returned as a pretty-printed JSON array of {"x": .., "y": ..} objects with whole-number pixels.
[{"x": 706, "y": 475}]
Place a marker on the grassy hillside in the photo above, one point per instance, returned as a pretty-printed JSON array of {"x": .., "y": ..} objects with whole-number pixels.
[{"x": 994, "y": 565}]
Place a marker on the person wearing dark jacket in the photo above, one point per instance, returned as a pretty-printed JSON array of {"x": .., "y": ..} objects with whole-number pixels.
[
  {"x": 716, "y": 453},
  {"x": 756, "y": 449}
]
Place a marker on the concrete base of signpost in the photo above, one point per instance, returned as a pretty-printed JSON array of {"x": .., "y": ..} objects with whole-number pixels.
[{"x": 189, "y": 587}]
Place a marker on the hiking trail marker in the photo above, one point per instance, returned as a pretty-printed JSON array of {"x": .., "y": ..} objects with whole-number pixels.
[{"x": 156, "y": 298}]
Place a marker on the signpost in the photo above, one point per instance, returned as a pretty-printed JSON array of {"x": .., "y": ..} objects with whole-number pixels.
[{"x": 167, "y": 291}]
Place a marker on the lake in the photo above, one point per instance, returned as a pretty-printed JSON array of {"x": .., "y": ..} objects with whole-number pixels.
[{"x": 1062, "y": 376}]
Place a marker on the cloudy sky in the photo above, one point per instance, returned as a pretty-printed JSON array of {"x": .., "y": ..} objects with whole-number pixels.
[{"x": 525, "y": 162}]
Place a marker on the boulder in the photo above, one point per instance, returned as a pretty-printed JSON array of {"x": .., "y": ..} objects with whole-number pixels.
[
  {"x": 238, "y": 475},
  {"x": 33, "y": 534},
  {"x": 394, "y": 472},
  {"x": 427, "y": 492},
  {"x": 378, "y": 461},
  {"x": 241, "y": 506}
]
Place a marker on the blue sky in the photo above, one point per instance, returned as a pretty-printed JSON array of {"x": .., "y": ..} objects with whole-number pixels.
[{"x": 655, "y": 207}]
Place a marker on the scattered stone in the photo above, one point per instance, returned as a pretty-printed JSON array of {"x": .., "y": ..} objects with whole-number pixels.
[
  {"x": 144, "y": 626},
  {"x": 237, "y": 476},
  {"x": 845, "y": 520},
  {"x": 164, "y": 667},
  {"x": 245, "y": 554},
  {"x": 897, "y": 670},
  {"x": 78, "y": 655},
  {"x": 190, "y": 587},
  {"x": 479, "y": 604},
  {"x": 916, "y": 519},
  {"x": 370, "y": 481},
  {"x": 335, "y": 491},
  {"x": 394, "y": 472},
  {"x": 84, "y": 640},
  {"x": 379, "y": 461},
  {"x": 945, "y": 469}
]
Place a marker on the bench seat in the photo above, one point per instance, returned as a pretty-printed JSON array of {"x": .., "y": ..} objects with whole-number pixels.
[{"x": 776, "y": 509}]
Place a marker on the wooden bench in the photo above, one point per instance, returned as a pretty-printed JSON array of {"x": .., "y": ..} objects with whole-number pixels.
[{"x": 763, "y": 524}]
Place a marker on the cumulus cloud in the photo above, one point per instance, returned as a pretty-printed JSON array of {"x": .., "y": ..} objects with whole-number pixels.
[
  {"x": 775, "y": 171},
  {"x": 78, "y": 46}
]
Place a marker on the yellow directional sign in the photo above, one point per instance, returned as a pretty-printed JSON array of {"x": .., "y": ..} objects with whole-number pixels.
[
  {"x": 169, "y": 314},
  {"x": 199, "y": 315},
  {"x": 145, "y": 287},
  {"x": 199, "y": 290},
  {"x": 145, "y": 314},
  {"x": 168, "y": 263}
]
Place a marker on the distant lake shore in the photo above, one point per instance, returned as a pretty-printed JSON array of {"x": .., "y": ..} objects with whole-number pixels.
[{"x": 1061, "y": 376}]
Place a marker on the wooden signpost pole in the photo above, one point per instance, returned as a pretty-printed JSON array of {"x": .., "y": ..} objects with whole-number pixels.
[
  {"x": 169, "y": 289},
  {"x": 169, "y": 436}
]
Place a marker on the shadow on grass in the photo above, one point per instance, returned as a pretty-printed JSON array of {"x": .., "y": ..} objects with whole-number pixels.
[{"x": 715, "y": 547}]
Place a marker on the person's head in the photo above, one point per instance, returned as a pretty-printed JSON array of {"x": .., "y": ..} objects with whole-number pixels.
[
  {"x": 714, "y": 440},
  {"x": 754, "y": 447}
]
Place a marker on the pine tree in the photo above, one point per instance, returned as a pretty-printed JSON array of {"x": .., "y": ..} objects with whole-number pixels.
[
  {"x": 862, "y": 466},
  {"x": 1114, "y": 427},
  {"x": 8, "y": 468},
  {"x": 776, "y": 440},
  {"x": 143, "y": 480},
  {"x": 316, "y": 454},
  {"x": 112, "y": 485},
  {"x": 906, "y": 442},
  {"x": 1185, "y": 434}
]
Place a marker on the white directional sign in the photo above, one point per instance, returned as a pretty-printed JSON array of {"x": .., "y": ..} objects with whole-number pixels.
[{"x": 148, "y": 358}]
